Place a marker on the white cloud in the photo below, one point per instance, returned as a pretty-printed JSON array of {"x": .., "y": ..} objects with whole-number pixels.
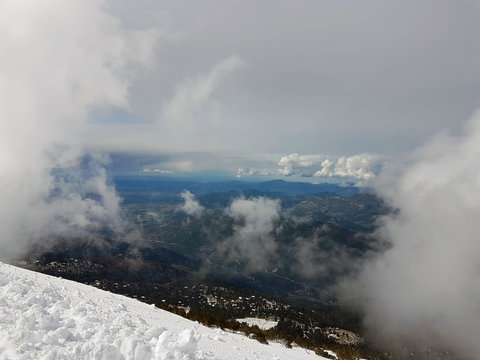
[
  {"x": 61, "y": 60},
  {"x": 191, "y": 206},
  {"x": 302, "y": 165},
  {"x": 425, "y": 289},
  {"x": 357, "y": 167},
  {"x": 252, "y": 172},
  {"x": 252, "y": 242},
  {"x": 157, "y": 171},
  {"x": 193, "y": 104},
  {"x": 361, "y": 166}
]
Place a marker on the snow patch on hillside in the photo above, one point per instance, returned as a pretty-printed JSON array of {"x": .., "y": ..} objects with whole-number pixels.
[
  {"x": 261, "y": 323},
  {"x": 43, "y": 317}
]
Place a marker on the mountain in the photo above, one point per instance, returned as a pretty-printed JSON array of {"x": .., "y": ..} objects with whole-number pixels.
[
  {"x": 169, "y": 185},
  {"x": 43, "y": 317}
]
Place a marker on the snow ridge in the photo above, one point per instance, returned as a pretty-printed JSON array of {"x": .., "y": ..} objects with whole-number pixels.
[{"x": 43, "y": 317}]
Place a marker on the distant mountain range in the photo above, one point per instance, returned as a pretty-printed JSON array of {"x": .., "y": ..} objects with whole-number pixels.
[{"x": 175, "y": 185}]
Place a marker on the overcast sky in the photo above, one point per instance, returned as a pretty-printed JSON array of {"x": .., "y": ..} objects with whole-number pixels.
[
  {"x": 262, "y": 80},
  {"x": 236, "y": 86}
]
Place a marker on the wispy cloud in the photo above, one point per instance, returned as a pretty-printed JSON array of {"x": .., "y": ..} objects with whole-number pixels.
[
  {"x": 193, "y": 103},
  {"x": 157, "y": 171},
  {"x": 252, "y": 244},
  {"x": 191, "y": 206}
]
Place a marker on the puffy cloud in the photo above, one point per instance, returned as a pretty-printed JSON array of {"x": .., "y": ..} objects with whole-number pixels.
[
  {"x": 63, "y": 60},
  {"x": 252, "y": 243},
  {"x": 191, "y": 206},
  {"x": 425, "y": 288},
  {"x": 303, "y": 165},
  {"x": 359, "y": 167}
]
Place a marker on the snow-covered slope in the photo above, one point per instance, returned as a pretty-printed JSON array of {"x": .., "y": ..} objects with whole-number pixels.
[{"x": 43, "y": 317}]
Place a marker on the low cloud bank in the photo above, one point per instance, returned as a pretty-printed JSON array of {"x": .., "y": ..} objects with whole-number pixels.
[{"x": 425, "y": 290}]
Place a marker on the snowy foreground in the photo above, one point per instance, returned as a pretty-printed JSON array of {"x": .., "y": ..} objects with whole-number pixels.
[{"x": 43, "y": 317}]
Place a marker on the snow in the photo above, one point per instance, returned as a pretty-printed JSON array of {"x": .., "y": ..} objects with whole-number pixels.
[
  {"x": 331, "y": 353},
  {"x": 261, "y": 323},
  {"x": 43, "y": 317}
]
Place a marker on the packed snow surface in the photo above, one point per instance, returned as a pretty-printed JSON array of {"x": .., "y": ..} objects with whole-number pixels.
[
  {"x": 261, "y": 323},
  {"x": 43, "y": 317}
]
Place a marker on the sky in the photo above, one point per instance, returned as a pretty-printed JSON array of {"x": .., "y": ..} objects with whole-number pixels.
[
  {"x": 236, "y": 86},
  {"x": 330, "y": 90}
]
